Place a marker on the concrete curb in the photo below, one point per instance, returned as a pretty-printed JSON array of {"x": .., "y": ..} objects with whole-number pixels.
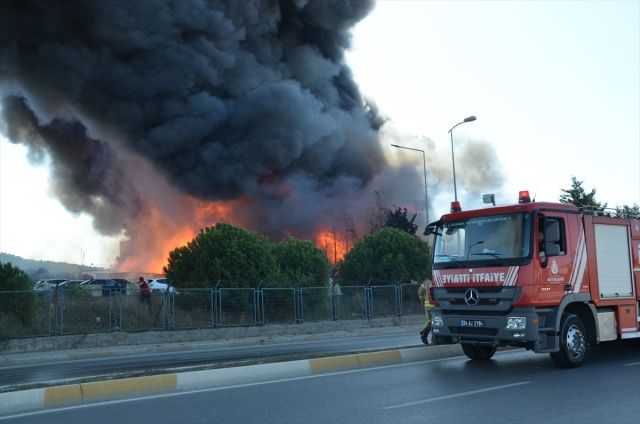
[
  {"x": 220, "y": 335},
  {"x": 84, "y": 393}
]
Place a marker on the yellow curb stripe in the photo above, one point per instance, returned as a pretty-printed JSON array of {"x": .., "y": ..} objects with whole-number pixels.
[
  {"x": 333, "y": 363},
  {"x": 355, "y": 361},
  {"x": 100, "y": 390},
  {"x": 62, "y": 395}
]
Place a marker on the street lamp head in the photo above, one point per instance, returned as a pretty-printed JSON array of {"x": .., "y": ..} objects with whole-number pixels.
[
  {"x": 453, "y": 161},
  {"x": 424, "y": 165}
]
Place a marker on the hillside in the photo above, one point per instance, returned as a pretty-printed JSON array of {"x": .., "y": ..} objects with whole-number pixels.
[{"x": 46, "y": 269}]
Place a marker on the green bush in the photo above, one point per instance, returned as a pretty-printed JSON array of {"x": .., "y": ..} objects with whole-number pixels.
[
  {"x": 17, "y": 299},
  {"x": 300, "y": 262},
  {"x": 231, "y": 255},
  {"x": 385, "y": 256}
]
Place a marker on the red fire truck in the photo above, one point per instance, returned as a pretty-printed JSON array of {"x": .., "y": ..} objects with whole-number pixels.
[{"x": 543, "y": 276}]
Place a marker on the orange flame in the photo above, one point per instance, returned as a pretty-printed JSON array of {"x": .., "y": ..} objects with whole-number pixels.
[
  {"x": 164, "y": 234},
  {"x": 166, "y": 230},
  {"x": 333, "y": 245},
  {"x": 181, "y": 238}
]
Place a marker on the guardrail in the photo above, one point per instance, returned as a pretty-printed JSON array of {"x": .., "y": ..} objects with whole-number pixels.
[{"x": 74, "y": 310}]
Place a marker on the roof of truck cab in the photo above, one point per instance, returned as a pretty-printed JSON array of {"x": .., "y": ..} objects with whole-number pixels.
[{"x": 515, "y": 208}]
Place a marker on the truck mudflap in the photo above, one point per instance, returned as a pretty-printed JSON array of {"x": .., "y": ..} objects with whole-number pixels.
[{"x": 519, "y": 326}]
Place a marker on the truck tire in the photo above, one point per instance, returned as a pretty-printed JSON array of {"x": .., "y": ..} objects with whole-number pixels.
[
  {"x": 573, "y": 342},
  {"x": 478, "y": 352}
]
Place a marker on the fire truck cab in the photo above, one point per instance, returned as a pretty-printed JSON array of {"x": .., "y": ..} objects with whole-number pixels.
[{"x": 539, "y": 275}]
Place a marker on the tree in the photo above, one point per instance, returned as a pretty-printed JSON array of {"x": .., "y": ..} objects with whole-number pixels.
[
  {"x": 21, "y": 303},
  {"x": 300, "y": 262},
  {"x": 577, "y": 196},
  {"x": 627, "y": 211},
  {"x": 387, "y": 255},
  {"x": 231, "y": 255},
  {"x": 398, "y": 219},
  {"x": 382, "y": 217}
]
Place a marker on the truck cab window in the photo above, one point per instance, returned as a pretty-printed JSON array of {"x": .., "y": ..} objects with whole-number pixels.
[
  {"x": 554, "y": 241},
  {"x": 485, "y": 241}
]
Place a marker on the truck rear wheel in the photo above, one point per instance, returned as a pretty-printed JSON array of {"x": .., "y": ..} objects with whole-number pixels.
[
  {"x": 478, "y": 352},
  {"x": 573, "y": 343}
]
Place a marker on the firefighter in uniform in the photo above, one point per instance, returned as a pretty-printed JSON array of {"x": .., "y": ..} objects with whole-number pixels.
[{"x": 423, "y": 294}]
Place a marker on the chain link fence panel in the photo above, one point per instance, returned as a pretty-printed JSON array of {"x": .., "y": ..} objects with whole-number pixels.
[
  {"x": 384, "y": 301},
  {"x": 139, "y": 315},
  {"x": 89, "y": 310},
  {"x": 278, "y": 305},
  {"x": 317, "y": 304},
  {"x": 351, "y": 303},
  {"x": 410, "y": 302},
  {"x": 238, "y": 307},
  {"x": 193, "y": 308},
  {"x": 24, "y": 313}
]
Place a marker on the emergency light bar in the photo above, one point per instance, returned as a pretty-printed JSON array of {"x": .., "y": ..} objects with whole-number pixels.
[
  {"x": 523, "y": 197},
  {"x": 455, "y": 206}
]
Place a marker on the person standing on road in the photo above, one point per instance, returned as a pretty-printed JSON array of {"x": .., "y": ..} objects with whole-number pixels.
[
  {"x": 145, "y": 293},
  {"x": 423, "y": 294}
]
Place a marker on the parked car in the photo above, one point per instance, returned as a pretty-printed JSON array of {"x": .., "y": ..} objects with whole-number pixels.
[
  {"x": 109, "y": 286},
  {"x": 160, "y": 284},
  {"x": 125, "y": 286},
  {"x": 48, "y": 284}
]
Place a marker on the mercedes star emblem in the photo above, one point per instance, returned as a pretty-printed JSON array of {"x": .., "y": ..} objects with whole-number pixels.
[{"x": 471, "y": 297}]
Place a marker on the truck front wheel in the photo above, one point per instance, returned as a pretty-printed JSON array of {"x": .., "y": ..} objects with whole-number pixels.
[
  {"x": 478, "y": 352},
  {"x": 573, "y": 343}
]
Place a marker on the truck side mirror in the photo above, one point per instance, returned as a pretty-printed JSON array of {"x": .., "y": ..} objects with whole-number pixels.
[{"x": 431, "y": 229}]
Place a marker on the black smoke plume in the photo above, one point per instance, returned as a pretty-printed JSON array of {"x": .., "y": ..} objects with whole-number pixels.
[
  {"x": 226, "y": 99},
  {"x": 149, "y": 108}
]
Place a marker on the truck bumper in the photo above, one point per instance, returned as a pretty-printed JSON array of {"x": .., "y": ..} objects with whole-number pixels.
[{"x": 485, "y": 329}]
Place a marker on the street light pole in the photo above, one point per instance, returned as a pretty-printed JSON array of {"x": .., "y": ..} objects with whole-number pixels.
[
  {"x": 453, "y": 161},
  {"x": 424, "y": 167}
]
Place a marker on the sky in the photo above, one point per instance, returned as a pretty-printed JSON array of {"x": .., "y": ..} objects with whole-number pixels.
[{"x": 555, "y": 87}]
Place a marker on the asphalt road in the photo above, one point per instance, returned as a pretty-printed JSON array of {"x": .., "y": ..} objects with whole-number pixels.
[
  {"x": 47, "y": 371},
  {"x": 515, "y": 387}
]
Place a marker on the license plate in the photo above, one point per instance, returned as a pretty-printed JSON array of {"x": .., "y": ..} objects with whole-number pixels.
[{"x": 471, "y": 323}]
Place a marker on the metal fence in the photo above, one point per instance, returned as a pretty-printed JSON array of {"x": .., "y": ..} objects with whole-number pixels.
[{"x": 76, "y": 311}]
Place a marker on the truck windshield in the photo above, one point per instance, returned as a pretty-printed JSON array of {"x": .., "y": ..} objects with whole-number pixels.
[{"x": 487, "y": 240}]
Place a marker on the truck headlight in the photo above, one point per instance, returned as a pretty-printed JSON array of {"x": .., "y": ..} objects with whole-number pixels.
[
  {"x": 516, "y": 323},
  {"x": 436, "y": 320}
]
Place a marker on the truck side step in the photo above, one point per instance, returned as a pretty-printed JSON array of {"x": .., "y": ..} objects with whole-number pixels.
[{"x": 546, "y": 350}]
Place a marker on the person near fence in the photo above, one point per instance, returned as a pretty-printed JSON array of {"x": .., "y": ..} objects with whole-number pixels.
[
  {"x": 145, "y": 293},
  {"x": 423, "y": 294}
]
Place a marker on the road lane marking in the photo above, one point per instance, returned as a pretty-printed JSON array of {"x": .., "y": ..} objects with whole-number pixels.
[
  {"x": 631, "y": 364},
  {"x": 223, "y": 388},
  {"x": 458, "y": 357},
  {"x": 456, "y": 395}
]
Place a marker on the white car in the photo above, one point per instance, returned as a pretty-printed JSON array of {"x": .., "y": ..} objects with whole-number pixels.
[{"x": 160, "y": 284}]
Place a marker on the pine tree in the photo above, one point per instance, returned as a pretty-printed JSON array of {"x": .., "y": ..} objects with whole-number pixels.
[
  {"x": 627, "y": 211},
  {"x": 577, "y": 196}
]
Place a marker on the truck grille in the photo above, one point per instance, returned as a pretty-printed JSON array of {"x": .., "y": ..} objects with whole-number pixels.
[{"x": 491, "y": 299}]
